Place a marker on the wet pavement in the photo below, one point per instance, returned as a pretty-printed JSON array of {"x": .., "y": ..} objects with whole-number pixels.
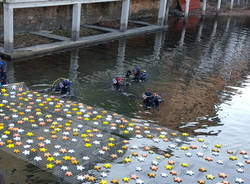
[{"x": 202, "y": 72}]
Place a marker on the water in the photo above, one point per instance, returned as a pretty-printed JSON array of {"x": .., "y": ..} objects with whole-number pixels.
[{"x": 201, "y": 70}]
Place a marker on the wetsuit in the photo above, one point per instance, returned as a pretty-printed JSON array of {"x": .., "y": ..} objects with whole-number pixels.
[
  {"x": 3, "y": 76},
  {"x": 64, "y": 87},
  {"x": 138, "y": 75},
  {"x": 151, "y": 100}
]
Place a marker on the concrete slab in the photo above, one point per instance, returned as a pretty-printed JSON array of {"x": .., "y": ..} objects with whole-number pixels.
[{"x": 84, "y": 41}]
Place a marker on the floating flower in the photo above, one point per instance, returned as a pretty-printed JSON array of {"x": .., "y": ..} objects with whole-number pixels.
[
  {"x": 151, "y": 175},
  {"x": 49, "y": 166},
  {"x": 127, "y": 160},
  {"x": 126, "y": 179},
  {"x": 107, "y": 166}
]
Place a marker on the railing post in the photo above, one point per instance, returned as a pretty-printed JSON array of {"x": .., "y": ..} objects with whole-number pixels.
[
  {"x": 218, "y": 7},
  {"x": 124, "y": 15},
  {"x": 162, "y": 12},
  {"x": 8, "y": 28},
  {"x": 76, "y": 21}
]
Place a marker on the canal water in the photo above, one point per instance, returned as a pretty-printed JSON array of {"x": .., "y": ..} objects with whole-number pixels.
[{"x": 202, "y": 71}]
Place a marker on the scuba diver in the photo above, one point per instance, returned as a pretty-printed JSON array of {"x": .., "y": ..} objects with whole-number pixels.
[
  {"x": 151, "y": 100},
  {"x": 137, "y": 75},
  {"x": 3, "y": 76},
  {"x": 61, "y": 86},
  {"x": 118, "y": 83}
]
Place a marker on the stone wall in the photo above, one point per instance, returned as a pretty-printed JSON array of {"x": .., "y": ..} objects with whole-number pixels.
[{"x": 47, "y": 18}]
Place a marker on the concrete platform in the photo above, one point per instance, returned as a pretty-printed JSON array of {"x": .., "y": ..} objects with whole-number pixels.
[{"x": 83, "y": 41}]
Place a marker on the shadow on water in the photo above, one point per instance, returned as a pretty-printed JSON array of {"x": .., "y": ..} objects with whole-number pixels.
[{"x": 199, "y": 69}]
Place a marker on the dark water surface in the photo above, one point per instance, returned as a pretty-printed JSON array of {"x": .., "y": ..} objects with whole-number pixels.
[{"x": 201, "y": 70}]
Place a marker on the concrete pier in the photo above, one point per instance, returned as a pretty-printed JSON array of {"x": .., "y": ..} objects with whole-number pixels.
[
  {"x": 8, "y": 28},
  {"x": 218, "y": 7},
  {"x": 76, "y": 21},
  {"x": 73, "y": 73},
  {"x": 183, "y": 33},
  {"x": 121, "y": 53},
  {"x": 158, "y": 44},
  {"x": 124, "y": 15},
  {"x": 231, "y": 4},
  {"x": 186, "y": 10},
  {"x": 162, "y": 12},
  {"x": 75, "y": 40},
  {"x": 204, "y": 5},
  {"x": 198, "y": 38},
  {"x": 167, "y": 12}
]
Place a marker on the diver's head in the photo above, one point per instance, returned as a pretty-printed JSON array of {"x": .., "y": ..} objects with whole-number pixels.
[{"x": 137, "y": 69}]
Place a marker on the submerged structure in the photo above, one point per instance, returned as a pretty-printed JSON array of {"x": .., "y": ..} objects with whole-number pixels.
[{"x": 82, "y": 144}]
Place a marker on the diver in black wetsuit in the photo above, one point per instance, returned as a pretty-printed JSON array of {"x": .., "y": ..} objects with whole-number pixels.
[
  {"x": 137, "y": 75},
  {"x": 61, "y": 86},
  {"x": 151, "y": 100},
  {"x": 118, "y": 83}
]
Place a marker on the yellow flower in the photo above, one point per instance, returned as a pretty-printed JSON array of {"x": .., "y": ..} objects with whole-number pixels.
[
  {"x": 105, "y": 123},
  {"x": 210, "y": 177},
  {"x": 50, "y": 159},
  {"x": 126, "y": 179},
  {"x": 111, "y": 139},
  {"x": 66, "y": 157},
  {"x": 184, "y": 165},
  {"x": 7, "y": 132},
  {"x": 10, "y": 146},
  {"x": 111, "y": 144},
  {"x": 43, "y": 149},
  {"x": 185, "y": 134},
  {"x": 126, "y": 160},
  {"x": 201, "y": 140},
  {"x": 168, "y": 167},
  {"x": 218, "y": 146},
  {"x": 107, "y": 166},
  {"x": 49, "y": 166},
  {"x": 30, "y": 134},
  {"x": 87, "y": 145},
  {"x": 103, "y": 182},
  {"x": 184, "y": 148}
]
